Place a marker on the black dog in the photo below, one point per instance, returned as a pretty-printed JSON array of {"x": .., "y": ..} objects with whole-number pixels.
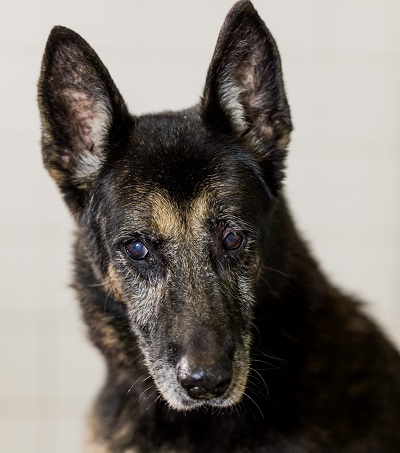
[{"x": 219, "y": 330}]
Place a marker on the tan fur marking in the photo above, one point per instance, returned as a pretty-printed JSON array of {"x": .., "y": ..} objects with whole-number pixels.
[
  {"x": 171, "y": 222},
  {"x": 112, "y": 283},
  {"x": 199, "y": 210},
  {"x": 93, "y": 444},
  {"x": 167, "y": 220}
]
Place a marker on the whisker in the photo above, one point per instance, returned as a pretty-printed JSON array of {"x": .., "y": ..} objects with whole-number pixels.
[
  {"x": 257, "y": 330},
  {"x": 263, "y": 354},
  {"x": 263, "y": 278},
  {"x": 144, "y": 391},
  {"x": 262, "y": 379},
  {"x": 257, "y": 406},
  {"x": 277, "y": 271},
  {"x": 257, "y": 392},
  {"x": 153, "y": 402},
  {"x": 271, "y": 366},
  {"x": 140, "y": 377},
  {"x": 247, "y": 406}
]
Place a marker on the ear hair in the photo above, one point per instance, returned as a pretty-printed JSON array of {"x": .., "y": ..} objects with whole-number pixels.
[
  {"x": 244, "y": 93},
  {"x": 79, "y": 105}
]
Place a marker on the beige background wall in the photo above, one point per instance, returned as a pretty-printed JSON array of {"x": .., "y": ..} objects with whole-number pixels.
[{"x": 342, "y": 68}]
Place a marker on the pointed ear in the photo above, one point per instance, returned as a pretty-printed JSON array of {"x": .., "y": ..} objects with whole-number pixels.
[
  {"x": 80, "y": 107},
  {"x": 244, "y": 93}
]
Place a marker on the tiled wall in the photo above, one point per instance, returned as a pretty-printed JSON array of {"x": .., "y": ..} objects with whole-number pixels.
[{"x": 342, "y": 70}]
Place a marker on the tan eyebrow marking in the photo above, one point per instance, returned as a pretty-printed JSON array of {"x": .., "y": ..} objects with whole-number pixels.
[{"x": 171, "y": 221}]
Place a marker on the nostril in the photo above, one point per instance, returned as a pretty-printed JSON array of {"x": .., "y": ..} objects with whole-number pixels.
[
  {"x": 197, "y": 392},
  {"x": 221, "y": 388},
  {"x": 203, "y": 383},
  {"x": 193, "y": 382}
]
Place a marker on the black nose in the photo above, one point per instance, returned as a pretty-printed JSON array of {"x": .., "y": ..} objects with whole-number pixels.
[{"x": 203, "y": 382}]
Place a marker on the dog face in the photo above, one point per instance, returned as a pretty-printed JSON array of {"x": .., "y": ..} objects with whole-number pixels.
[
  {"x": 183, "y": 248},
  {"x": 173, "y": 208}
]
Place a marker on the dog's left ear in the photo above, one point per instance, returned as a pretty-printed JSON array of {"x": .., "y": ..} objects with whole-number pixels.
[{"x": 244, "y": 93}]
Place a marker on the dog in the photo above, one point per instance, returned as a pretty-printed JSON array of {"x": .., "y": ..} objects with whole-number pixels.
[{"x": 219, "y": 330}]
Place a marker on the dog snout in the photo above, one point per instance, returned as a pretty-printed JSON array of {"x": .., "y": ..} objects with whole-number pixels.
[{"x": 204, "y": 381}]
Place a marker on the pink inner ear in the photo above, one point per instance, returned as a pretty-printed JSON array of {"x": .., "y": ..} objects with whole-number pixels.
[{"x": 83, "y": 119}]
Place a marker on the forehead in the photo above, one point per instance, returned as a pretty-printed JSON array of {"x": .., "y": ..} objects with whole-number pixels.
[{"x": 173, "y": 174}]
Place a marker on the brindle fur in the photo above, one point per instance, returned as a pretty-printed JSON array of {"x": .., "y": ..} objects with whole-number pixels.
[{"x": 310, "y": 373}]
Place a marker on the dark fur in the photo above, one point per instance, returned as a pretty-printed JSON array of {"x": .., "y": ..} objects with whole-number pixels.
[{"x": 321, "y": 375}]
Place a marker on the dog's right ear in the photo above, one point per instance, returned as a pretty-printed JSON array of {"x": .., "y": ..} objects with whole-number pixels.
[{"x": 80, "y": 107}]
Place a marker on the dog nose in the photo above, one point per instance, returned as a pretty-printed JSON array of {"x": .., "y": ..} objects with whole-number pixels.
[{"x": 204, "y": 382}]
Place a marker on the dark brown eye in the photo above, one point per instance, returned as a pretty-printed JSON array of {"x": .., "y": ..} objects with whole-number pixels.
[
  {"x": 232, "y": 240},
  {"x": 136, "y": 250}
]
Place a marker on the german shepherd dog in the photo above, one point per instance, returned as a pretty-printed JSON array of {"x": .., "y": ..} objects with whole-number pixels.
[{"x": 219, "y": 330}]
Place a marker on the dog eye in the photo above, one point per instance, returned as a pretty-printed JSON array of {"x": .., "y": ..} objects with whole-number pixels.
[
  {"x": 136, "y": 250},
  {"x": 232, "y": 240}
]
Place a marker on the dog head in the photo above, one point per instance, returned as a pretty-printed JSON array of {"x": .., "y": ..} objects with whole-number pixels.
[{"x": 173, "y": 208}]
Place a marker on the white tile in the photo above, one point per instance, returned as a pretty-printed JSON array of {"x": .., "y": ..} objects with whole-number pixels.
[
  {"x": 17, "y": 436},
  {"x": 19, "y": 353},
  {"x": 80, "y": 370}
]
